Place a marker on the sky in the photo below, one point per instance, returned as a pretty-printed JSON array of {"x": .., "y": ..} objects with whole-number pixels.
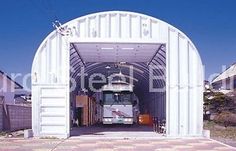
[{"x": 210, "y": 24}]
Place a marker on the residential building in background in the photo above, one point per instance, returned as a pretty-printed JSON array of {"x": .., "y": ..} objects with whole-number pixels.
[
  {"x": 226, "y": 81},
  {"x": 11, "y": 92}
]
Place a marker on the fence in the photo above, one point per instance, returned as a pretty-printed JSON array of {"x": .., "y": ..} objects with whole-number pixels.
[{"x": 15, "y": 117}]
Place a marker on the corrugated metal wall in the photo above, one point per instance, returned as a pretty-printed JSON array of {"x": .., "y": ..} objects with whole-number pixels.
[
  {"x": 184, "y": 73},
  {"x": 50, "y": 88},
  {"x": 185, "y": 86}
]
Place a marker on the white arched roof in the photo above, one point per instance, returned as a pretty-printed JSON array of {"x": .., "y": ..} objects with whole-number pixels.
[
  {"x": 73, "y": 25},
  {"x": 166, "y": 46}
]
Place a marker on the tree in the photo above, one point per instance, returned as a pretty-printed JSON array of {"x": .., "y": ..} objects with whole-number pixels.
[{"x": 217, "y": 101}]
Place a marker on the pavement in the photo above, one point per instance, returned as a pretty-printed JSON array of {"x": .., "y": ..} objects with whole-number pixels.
[
  {"x": 113, "y": 138},
  {"x": 75, "y": 144}
]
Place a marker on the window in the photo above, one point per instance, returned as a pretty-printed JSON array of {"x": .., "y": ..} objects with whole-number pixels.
[{"x": 117, "y": 98}]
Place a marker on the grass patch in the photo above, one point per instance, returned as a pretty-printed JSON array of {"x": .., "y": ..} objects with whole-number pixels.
[{"x": 219, "y": 131}]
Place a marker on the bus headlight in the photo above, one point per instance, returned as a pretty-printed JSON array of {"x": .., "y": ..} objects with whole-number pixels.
[
  {"x": 128, "y": 120},
  {"x": 107, "y": 120}
]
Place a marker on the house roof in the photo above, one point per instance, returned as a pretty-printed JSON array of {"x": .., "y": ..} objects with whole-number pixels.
[
  {"x": 18, "y": 86},
  {"x": 229, "y": 72}
]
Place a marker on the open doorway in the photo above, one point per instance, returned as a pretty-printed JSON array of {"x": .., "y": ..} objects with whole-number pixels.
[{"x": 99, "y": 110}]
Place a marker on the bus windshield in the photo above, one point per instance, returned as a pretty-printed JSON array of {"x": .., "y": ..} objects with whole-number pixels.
[{"x": 117, "y": 98}]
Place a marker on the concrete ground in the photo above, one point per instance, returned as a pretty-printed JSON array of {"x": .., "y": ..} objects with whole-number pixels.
[
  {"x": 113, "y": 138},
  {"x": 75, "y": 144},
  {"x": 115, "y": 132}
]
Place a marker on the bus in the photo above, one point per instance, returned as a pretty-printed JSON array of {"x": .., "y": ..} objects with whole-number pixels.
[{"x": 119, "y": 104}]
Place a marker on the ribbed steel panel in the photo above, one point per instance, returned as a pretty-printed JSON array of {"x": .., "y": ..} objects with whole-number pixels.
[{"x": 183, "y": 68}]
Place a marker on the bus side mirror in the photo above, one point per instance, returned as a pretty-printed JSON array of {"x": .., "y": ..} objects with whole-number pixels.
[{"x": 135, "y": 103}]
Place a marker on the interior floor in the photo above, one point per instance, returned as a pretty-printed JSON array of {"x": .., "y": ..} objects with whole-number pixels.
[{"x": 115, "y": 131}]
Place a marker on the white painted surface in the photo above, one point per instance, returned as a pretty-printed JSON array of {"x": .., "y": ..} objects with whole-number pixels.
[
  {"x": 124, "y": 110},
  {"x": 108, "y": 52},
  {"x": 184, "y": 72}
]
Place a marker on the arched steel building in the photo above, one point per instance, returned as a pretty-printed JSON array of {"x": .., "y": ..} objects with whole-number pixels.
[{"x": 148, "y": 45}]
